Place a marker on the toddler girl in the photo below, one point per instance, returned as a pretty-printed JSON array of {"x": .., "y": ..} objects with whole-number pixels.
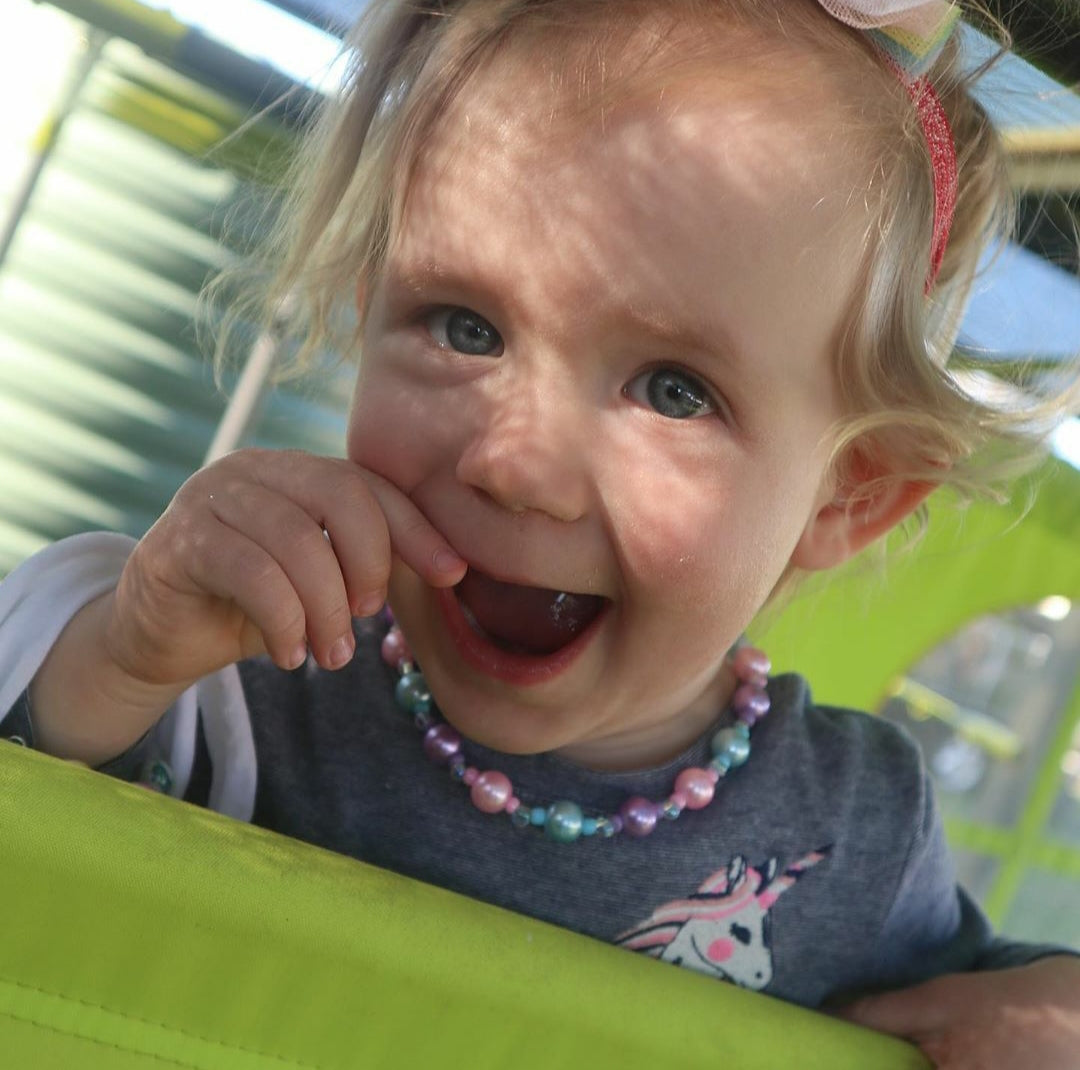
[{"x": 655, "y": 300}]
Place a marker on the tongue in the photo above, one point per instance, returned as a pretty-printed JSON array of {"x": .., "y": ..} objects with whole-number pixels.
[{"x": 525, "y": 620}]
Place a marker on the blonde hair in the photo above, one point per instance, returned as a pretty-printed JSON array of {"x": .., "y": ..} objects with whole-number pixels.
[{"x": 907, "y": 417}]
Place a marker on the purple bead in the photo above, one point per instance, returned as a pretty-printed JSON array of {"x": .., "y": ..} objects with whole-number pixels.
[
  {"x": 441, "y": 743},
  {"x": 751, "y": 700},
  {"x": 638, "y": 815}
]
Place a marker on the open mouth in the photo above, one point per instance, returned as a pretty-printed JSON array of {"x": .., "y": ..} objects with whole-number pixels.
[
  {"x": 519, "y": 634},
  {"x": 525, "y": 620}
]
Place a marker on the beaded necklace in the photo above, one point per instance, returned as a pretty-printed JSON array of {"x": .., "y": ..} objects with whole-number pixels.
[{"x": 563, "y": 821}]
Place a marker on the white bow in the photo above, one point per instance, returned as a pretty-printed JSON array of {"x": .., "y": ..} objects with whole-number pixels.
[{"x": 917, "y": 15}]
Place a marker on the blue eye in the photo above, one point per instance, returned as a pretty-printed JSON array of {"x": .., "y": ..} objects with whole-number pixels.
[
  {"x": 671, "y": 393},
  {"x": 464, "y": 331}
]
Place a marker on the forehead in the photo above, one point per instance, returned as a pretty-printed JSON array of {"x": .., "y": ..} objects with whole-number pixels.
[{"x": 624, "y": 186}]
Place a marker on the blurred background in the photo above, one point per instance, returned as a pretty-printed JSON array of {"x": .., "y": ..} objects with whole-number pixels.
[{"x": 128, "y": 160}]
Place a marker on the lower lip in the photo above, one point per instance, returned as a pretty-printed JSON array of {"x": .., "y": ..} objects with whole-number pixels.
[{"x": 521, "y": 669}]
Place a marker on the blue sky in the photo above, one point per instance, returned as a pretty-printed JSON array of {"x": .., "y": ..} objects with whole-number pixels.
[{"x": 262, "y": 31}]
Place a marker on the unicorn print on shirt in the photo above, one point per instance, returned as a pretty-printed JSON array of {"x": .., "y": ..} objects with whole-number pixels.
[{"x": 724, "y": 928}]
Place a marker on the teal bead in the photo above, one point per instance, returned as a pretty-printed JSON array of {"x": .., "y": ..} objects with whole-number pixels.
[
  {"x": 588, "y": 826},
  {"x": 158, "y": 776},
  {"x": 730, "y": 742},
  {"x": 670, "y": 811},
  {"x": 412, "y": 693},
  {"x": 564, "y": 821},
  {"x": 604, "y": 828},
  {"x": 743, "y": 730},
  {"x": 521, "y": 817},
  {"x": 721, "y": 763},
  {"x": 538, "y": 816}
]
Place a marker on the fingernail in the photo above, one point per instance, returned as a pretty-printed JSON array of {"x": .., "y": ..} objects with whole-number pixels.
[
  {"x": 341, "y": 652},
  {"x": 299, "y": 656},
  {"x": 447, "y": 561},
  {"x": 370, "y": 605}
]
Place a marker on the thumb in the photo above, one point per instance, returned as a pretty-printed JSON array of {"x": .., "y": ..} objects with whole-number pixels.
[{"x": 907, "y": 1012}]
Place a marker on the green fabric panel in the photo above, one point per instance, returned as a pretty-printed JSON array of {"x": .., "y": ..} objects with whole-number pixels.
[
  {"x": 853, "y": 634},
  {"x": 143, "y": 932}
]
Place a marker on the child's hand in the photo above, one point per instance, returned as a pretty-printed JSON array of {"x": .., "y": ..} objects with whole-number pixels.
[
  {"x": 1028, "y": 1016},
  {"x": 273, "y": 551}
]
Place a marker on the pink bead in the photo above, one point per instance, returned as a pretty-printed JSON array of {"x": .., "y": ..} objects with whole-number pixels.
[
  {"x": 713, "y": 775},
  {"x": 639, "y": 816},
  {"x": 472, "y": 775},
  {"x": 441, "y": 743},
  {"x": 748, "y": 659},
  {"x": 395, "y": 650},
  {"x": 697, "y": 786},
  {"x": 679, "y": 799},
  {"x": 491, "y": 791},
  {"x": 513, "y": 804}
]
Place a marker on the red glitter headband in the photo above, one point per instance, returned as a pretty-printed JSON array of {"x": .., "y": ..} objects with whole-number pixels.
[
  {"x": 910, "y": 35},
  {"x": 942, "y": 146}
]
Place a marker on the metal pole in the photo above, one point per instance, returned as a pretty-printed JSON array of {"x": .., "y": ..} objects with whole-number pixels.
[
  {"x": 243, "y": 409},
  {"x": 79, "y": 71}
]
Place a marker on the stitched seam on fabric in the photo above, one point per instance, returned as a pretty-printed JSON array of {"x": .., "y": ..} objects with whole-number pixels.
[
  {"x": 99, "y": 1043},
  {"x": 284, "y": 1060}
]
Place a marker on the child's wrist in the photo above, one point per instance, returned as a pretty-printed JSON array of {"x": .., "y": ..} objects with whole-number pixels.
[{"x": 85, "y": 706}]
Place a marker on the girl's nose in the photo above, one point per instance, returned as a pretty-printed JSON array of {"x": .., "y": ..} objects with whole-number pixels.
[{"x": 526, "y": 454}]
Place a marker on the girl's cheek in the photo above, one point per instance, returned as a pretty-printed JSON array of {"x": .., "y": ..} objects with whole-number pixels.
[
  {"x": 400, "y": 430},
  {"x": 666, "y": 511},
  {"x": 377, "y": 441}
]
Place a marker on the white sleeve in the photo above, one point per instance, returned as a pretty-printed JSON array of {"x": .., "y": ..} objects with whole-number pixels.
[{"x": 39, "y": 598}]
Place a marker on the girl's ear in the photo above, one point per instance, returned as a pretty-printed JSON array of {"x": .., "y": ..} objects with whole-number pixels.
[{"x": 861, "y": 503}]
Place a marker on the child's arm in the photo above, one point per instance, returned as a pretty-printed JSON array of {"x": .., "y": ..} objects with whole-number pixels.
[
  {"x": 259, "y": 552},
  {"x": 1026, "y": 1016}
]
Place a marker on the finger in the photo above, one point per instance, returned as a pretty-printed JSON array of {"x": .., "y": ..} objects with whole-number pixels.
[
  {"x": 240, "y": 571},
  {"x": 414, "y": 539},
  {"x": 906, "y": 1012},
  {"x": 366, "y": 517},
  {"x": 289, "y": 535}
]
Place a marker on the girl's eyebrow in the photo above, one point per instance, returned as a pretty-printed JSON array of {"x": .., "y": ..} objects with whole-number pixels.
[{"x": 713, "y": 341}]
